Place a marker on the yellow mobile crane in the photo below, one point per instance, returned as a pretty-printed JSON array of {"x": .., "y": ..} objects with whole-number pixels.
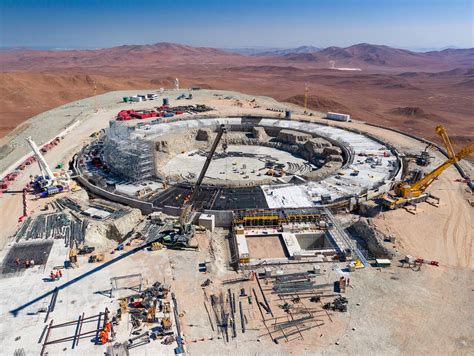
[{"x": 410, "y": 193}]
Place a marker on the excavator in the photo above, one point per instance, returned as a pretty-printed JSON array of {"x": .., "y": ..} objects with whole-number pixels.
[
  {"x": 411, "y": 193},
  {"x": 179, "y": 237}
]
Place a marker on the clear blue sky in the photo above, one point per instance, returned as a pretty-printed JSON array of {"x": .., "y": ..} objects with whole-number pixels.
[{"x": 236, "y": 23}]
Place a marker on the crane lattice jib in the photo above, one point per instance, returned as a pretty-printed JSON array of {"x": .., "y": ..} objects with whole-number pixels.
[
  {"x": 441, "y": 131},
  {"x": 189, "y": 204}
]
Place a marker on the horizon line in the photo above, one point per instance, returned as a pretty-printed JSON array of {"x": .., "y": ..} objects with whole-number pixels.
[{"x": 262, "y": 48}]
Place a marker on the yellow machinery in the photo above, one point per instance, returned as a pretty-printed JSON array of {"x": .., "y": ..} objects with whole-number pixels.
[
  {"x": 73, "y": 256},
  {"x": 155, "y": 246},
  {"x": 409, "y": 193}
]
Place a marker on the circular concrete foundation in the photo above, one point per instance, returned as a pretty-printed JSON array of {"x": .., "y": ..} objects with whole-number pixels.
[
  {"x": 239, "y": 163},
  {"x": 315, "y": 164}
]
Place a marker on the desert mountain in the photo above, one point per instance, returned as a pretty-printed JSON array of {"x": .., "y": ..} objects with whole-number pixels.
[
  {"x": 122, "y": 56},
  {"x": 391, "y": 83},
  {"x": 361, "y": 56},
  {"x": 368, "y": 56},
  {"x": 283, "y": 52}
]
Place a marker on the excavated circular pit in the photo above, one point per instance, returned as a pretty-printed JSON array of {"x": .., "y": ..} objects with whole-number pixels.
[
  {"x": 239, "y": 163},
  {"x": 254, "y": 156}
]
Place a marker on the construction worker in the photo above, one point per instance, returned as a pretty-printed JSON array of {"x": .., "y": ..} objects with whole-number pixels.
[
  {"x": 103, "y": 337},
  {"x": 52, "y": 276},
  {"x": 104, "y": 333}
]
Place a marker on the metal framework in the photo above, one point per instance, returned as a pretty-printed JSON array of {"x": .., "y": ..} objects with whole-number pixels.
[
  {"x": 113, "y": 282},
  {"x": 102, "y": 318},
  {"x": 276, "y": 217}
]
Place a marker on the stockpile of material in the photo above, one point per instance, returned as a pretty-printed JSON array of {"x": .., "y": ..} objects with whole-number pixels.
[{"x": 53, "y": 226}]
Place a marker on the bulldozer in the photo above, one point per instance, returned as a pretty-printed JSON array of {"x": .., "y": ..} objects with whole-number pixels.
[{"x": 406, "y": 193}]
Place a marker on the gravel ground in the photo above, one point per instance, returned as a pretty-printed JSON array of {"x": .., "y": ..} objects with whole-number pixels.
[{"x": 391, "y": 311}]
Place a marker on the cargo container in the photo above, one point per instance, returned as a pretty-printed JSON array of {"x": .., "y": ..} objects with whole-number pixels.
[
  {"x": 136, "y": 99},
  {"x": 151, "y": 96},
  {"x": 242, "y": 247},
  {"x": 124, "y": 115},
  {"x": 338, "y": 117},
  {"x": 383, "y": 262},
  {"x": 144, "y": 114}
]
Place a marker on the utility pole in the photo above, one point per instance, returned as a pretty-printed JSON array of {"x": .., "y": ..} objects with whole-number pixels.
[
  {"x": 96, "y": 109},
  {"x": 306, "y": 98}
]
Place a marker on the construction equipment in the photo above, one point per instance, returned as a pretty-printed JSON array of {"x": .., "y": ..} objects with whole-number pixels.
[
  {"x": 424, "y": 158},
  {"x": 73, "y": 256},
  {"x": 338, "y": 304},
  {"x": 415, "y": 263},
  {"x": 412, "y": 193},
  {"x": 48, "y": 183},
  {"x": 155, "y": 246},
  {"x": 86, "y": 250},
  {"x": 179, "y": 237},
  {"x": 184, "y": 218},
  {"x": 96, "y": 258},
  {"x": 166, "y": 323},
  {"x": 151, "y": 312}
]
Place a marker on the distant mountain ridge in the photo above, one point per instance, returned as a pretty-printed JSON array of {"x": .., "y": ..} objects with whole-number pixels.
[
  {"x": 297, "y": 50},
  {"x": 362, "y": 56}
]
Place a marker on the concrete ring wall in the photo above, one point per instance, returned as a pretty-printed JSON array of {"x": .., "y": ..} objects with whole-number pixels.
[{"x": 223, "y": 218}]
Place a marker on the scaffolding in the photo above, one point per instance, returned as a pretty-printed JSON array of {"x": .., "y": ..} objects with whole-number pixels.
[
  {"x": 127, "y": 153},
  {"x": 344, "y": 243}
]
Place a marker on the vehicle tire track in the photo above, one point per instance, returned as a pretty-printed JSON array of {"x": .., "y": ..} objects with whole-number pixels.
[{"x": 447, "y": 227}]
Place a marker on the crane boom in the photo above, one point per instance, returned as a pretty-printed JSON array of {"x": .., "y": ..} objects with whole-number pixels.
[
  {"x": 441, "y": 131},
  {"x": 411, "y": 193},
  {"x": 189, "y": 203},
  {"x": 44, "y": 168},
  {"x": 423, "y": 183},
  {"x": 221, "y": 130},
  {"x": 407, "y": 190}
]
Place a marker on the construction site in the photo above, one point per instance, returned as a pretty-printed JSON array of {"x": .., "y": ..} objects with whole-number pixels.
[{"x": 195, "y": 221}]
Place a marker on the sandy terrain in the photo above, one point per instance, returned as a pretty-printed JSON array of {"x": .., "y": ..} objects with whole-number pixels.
[
  {"x": 265, "y": 247},
  {"x": 391, "y": 89},
  {"x": 391, "y": 311}
]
